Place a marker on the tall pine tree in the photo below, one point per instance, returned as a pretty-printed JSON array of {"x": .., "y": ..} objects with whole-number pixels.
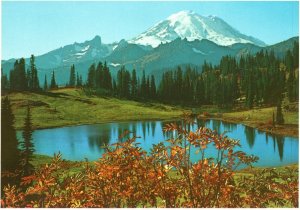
[
  {"x": 53, "y": 84},
  {"x": 45, "y": 84},
  {"x": 143, "y": 86},
  {"x": 4, "y": 81},
  {"x": 33, "y": 80},
  {"x": 72, "y": 76},
  {"x": 279, "y": 115},
  {"x": 152, "y": 88},
  {"x": 134, "y": 86},
  {"x": 91, "y": 81},
  {"x": 78, "y": 80},
  {"x": 10, "y": 154},
  {"x": 27, "y": 145}
]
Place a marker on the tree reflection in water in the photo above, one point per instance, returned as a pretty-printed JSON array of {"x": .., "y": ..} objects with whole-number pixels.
[
  {"x": 78, "y": 142},
  {"x": 250, "y": 136}
]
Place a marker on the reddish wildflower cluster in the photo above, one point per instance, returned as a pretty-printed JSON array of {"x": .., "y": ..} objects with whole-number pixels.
[{"x": 128, "y": 176}]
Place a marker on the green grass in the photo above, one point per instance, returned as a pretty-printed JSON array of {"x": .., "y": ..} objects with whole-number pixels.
[
  {"x": 260, "y": 118},
  {"x": 212, "y": 109},
  {"x": 71, "y": 106},
  {"x": 263, "y": 115},
  {"x": 39, "y": 160}
]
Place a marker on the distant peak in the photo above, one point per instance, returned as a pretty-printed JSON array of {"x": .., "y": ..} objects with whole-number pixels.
[
  {"x": 123, "y": 43},
  {"x": 96, "y": 39}
]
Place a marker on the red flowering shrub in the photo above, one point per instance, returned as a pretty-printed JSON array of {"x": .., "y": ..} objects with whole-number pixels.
[{"x": 127, "y": 176}]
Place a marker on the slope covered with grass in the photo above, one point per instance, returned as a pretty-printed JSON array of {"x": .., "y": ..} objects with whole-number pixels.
[{"x": 72, "y": 106}]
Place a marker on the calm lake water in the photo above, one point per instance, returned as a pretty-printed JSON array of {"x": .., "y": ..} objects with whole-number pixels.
[{"x": 85, "y": 141}]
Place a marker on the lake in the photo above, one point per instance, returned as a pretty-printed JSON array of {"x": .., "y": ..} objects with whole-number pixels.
[{"x": 85, "y": 141}]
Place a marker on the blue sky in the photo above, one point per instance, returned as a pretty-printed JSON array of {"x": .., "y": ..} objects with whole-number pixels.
[{"x": 38, "y": 27}]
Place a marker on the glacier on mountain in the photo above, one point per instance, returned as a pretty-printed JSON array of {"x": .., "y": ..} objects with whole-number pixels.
[
  {"x": 198, "y": 51},
  {"x": 190, "y": 25}
]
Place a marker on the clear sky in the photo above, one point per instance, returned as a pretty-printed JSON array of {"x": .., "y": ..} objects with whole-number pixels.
[{"x": 38, "y": 27}]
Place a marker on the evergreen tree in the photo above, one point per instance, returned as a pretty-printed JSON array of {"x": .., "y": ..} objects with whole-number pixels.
[
  {"x": 29, "y": 79},
  {"x": 143, "y": 86},
  {"x": 107, "y": 80},
  {"x": 99, "y": 76},
  {"x": 178, "y": 84},
  {"x": 152, "y": 88},
  {"x": 126, "y": 84},
  {"x": 91, "y": 81},
  {"x": 123, "y": 84},
  {"x": 250, "y": 90},
  {"x": 53, "y": 84},
  {"x": 27, "y": 145},
  {"x": 30, "y": 74},
  {"x": 72, "y": 76},
  {"x": 21, "y": 74},
  {"x": 13, "y": 76},
  {"x": 78, "y": 80},
  {"x": 10, "y": 156},
  {"x": 289, "y": 61},
  {"x": 147, "y": 88},
  {"x": 199, "y": 94},
  {"x": 291, "y": 86},
  {"x": 187, "y": 88},
  {"x": 45, "y": 84},
  {"x": 296, "y": 55},
  {"x": 279, "y": 115},
  {"x": 18, "y": 77},
  {"x": 120, "y": 82},
  {"x": 134, "y": 84},
  {"x": 33, "y": 80},
  {"x": 4, "y": 81}
]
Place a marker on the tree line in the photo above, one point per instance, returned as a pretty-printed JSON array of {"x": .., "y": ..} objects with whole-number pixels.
[
  {"x": 27, "y": 80},
  {"x": 20, "y": 79},
  {"x": 253, "y": 80},
  {"x": 125, "y": 85}
]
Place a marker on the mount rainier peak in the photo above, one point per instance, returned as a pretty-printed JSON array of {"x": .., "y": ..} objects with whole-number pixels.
[{"x": 191, "y": 26}]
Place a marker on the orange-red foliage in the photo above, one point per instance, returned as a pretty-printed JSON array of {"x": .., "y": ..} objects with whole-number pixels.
[{"x": 126, "y": 176}]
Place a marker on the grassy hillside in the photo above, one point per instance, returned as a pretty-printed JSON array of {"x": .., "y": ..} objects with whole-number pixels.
[{"x": 71, "y": 106}]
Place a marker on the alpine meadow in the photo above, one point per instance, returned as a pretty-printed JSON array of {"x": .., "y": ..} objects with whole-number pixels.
[{"x": 170, "y": 105}]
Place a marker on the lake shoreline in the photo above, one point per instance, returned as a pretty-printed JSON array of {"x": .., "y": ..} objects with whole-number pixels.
[
  {"x": 71, "y": 107},
  {"x": 277, "y": 130},
  {"x": 102, "y": 122}
]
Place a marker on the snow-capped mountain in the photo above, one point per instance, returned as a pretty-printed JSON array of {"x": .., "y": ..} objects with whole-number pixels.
[
  {"x": 189, "y": 25},
  {"x": 185, "y": 38},
  {"x": 89, "y": 50},
  {"x": 78, "y": 52}
]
